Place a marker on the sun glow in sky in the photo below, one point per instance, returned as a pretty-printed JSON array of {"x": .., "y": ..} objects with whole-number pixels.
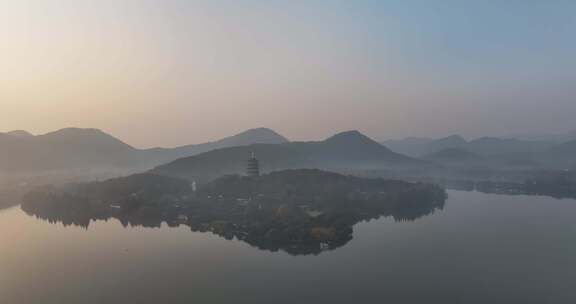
[{"x": 177, "y": 72}]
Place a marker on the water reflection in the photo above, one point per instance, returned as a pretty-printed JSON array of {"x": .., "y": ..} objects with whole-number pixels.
[{"x": 275, "y": 226}]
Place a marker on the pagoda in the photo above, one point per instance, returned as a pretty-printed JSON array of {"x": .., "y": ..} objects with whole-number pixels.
[{"x": 253, "y": 167}]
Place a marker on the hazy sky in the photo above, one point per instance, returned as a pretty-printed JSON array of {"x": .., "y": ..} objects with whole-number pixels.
[{"x": 174, "y": 72}]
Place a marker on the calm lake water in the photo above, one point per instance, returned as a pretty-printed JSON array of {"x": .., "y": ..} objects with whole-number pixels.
[{"x": 482, "y": 248}]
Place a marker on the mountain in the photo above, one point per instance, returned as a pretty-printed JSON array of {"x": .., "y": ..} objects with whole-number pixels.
[
  {"x": 502, "y": 150},
  {"x": 349, "y": 150},
  {"x": 557, "y": 138},
  {"x": 85, "y": 138},
  {"x": 455, "y": 157},
  {"x": 514, "y": 151},
  {"x": 453, "y": 141},
  {"x": 19, "y": 133},
  {"x": 65, "y": 149},
  {"x": 248, "y": 137},
  {"x": 411, "y": 146},
  {"x": 418, "y": 146},
  {"x": 81, "y": 150},
  {"x": 497, "y": 152},
  {"x": 210, "y": 165},
  {"x": 252, "y": 136}
]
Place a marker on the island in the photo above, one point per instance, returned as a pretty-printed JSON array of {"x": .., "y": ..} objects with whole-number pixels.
[{"x": 299, "y": 211}]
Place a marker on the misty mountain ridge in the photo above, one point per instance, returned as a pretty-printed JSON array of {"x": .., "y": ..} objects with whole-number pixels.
[
  {"x": 65, "y": 149},
  {"x": 495, "y": 153},
  {"x": 453, "y": 155},
  {"x": 83, "y": 149},
  {"x": 411, "y": 146},
  {"x": 350, "y": 146},
  {"x": 253, "y": 136},
  {"x": 450, "y": 141},
  {"x": 483, "y": 146},
  {"x": 19, "y": 133},
  {"x": 556, "y": 138},
  {"x": 350, "y": 137},
  {"x": 421, "y": 146},
  {"x": 80, "y": 149},
  {"x": 248, "y": 137},
  {"x": 88, "y": 138},
  {"x": 350, "y": 150}
]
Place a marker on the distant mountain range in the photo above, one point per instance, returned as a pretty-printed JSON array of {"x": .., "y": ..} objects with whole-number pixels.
[
  {"x": 453, "y": 155},
  {"x": 19, "y": 133},
  {"x": 489, "y": 151},
  {"x": 248, "y": 137},
  {"x": 557, "y": 138},
  {"x": 486, "y": 146},
  {"x": 70, "y": 148},
  {"x": 90, "y": 150},
  {"x": 349, "y": 150},
  {"x": 81, "y": 149},
  {"x": 420, "y": 146}
]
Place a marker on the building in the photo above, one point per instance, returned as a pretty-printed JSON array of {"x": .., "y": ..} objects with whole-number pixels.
[{"x": 253, "y": 166}]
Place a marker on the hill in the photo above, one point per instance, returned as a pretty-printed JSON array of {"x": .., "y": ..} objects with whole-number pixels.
[
  {"x": 453, "y": 155},
  {"x": 65, "y": 149},
  {"x": 411, "y": 146},
  {"x": 556, "y": 138},
  {"x": 453, "y": 141},
  {"x": 496, "y": 151},
  {"x": 19, "y": 133},
  {"x": 418, "y": 147},
  {"x": 92, "y": 150},
  {"x": 344, "y": 151},
  {"x": 248, "y": 137}
]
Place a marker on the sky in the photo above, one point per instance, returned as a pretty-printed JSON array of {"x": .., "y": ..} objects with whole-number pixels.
[{"x": 172, "y": 72}]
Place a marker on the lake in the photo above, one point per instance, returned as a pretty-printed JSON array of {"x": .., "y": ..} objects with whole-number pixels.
[{"x": 481, "y": 248}]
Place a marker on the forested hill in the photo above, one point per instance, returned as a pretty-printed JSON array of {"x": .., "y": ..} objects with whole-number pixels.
[{"x": 347, "y": 150}]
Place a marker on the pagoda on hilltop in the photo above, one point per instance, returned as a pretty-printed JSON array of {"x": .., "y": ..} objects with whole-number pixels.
[{"x": 253, "y": 166}]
